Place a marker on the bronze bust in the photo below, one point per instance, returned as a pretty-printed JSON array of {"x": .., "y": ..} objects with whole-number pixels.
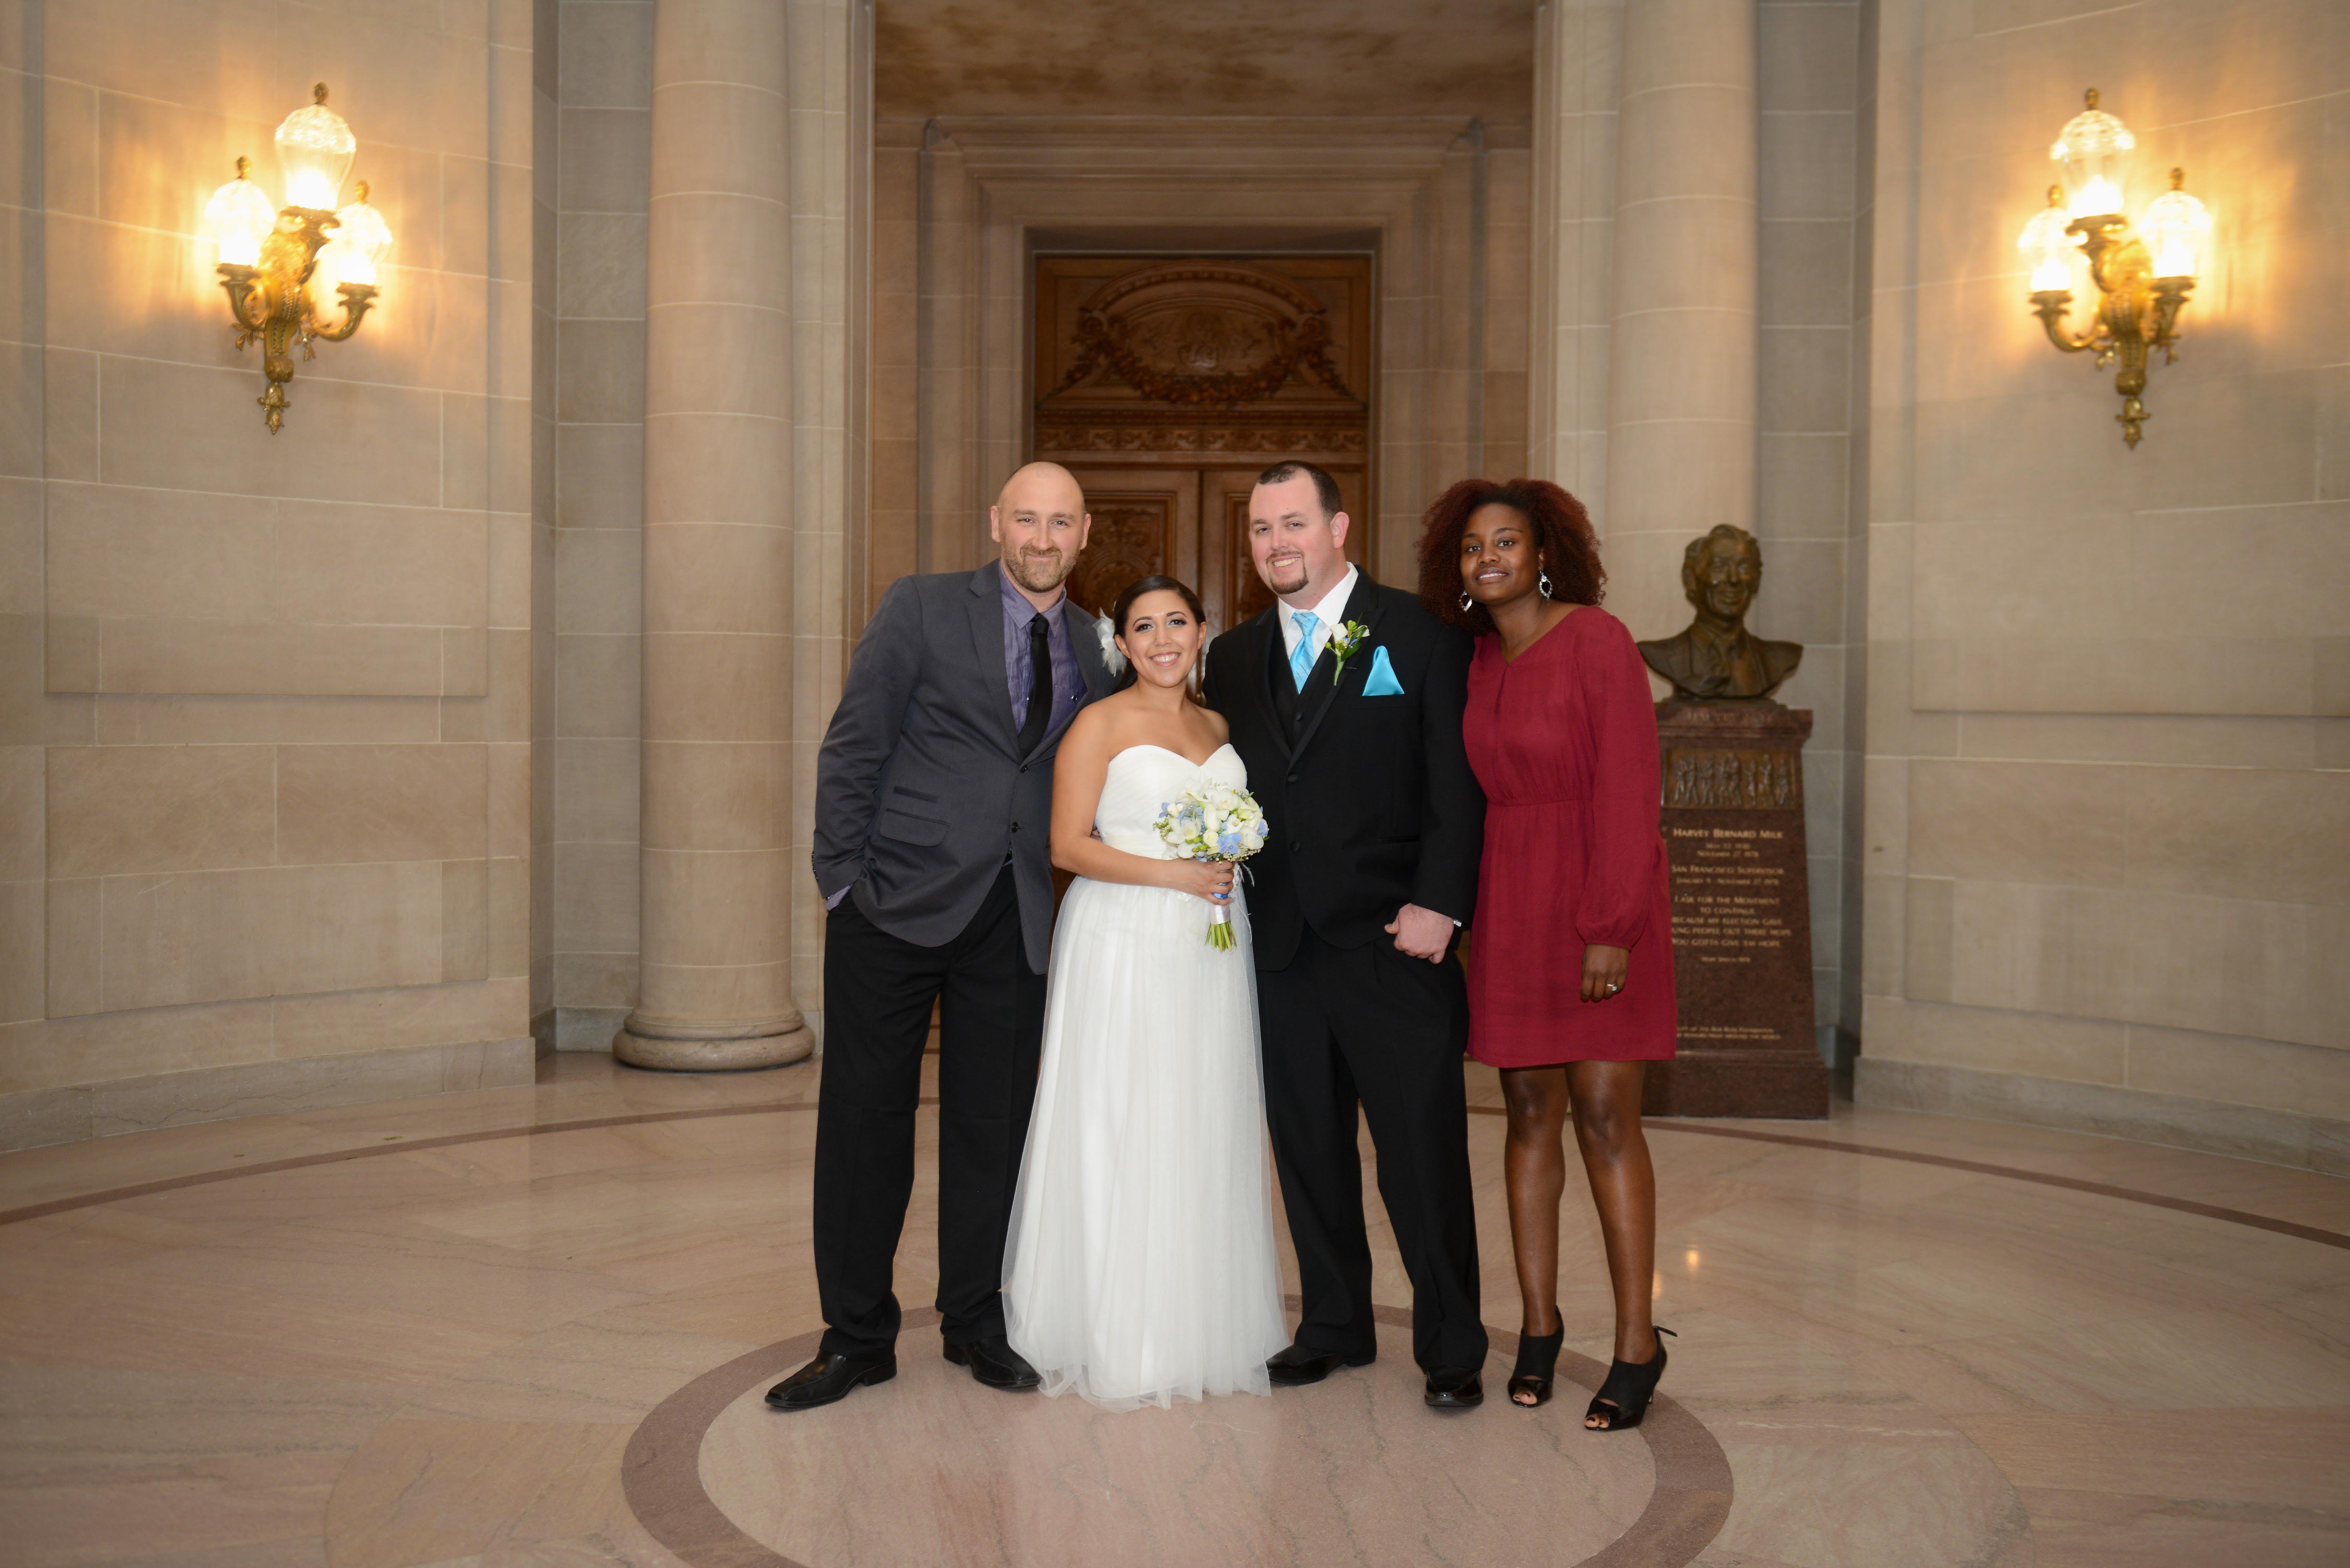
[{"x": 1716, "y": 658}]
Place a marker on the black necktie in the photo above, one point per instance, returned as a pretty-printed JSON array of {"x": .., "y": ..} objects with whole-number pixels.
[{"x": 1040, "y": 686}]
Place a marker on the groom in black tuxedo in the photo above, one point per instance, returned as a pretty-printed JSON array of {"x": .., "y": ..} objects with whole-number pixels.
[{"x": 1369, "y": 873}]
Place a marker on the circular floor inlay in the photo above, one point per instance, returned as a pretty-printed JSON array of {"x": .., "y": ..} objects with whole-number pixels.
[{"x": 932, "y": 1467}]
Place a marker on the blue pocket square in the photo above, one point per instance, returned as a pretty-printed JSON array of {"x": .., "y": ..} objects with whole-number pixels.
[{"x": 1381, "y": 681}]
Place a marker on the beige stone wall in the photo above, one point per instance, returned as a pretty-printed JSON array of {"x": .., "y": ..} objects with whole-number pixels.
[
  {"x": 2108, "y": 814},
  {"x": 1807, "y": 89},
  {"x": 546, "y": 88},
  {"x": 834, "y": 170},
  {"x": 1442, "y": 200},
  {"x": 601, "y": 233},
  {"x": 604, "y": 109},
  {"x": 1576, "y": 50},
  {"x": 890, "y": 545},
  {"x": 265, "y": 701},
  {"x": 1740, "y": 322},
  {"x": 320, "y": 754}
]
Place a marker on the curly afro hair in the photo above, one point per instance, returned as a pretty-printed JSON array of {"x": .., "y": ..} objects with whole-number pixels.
[{"x": 1570, "y": 551}]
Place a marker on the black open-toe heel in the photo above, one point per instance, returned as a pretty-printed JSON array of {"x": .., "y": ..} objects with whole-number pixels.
[
  {"x": 1537, "y": 1358},
  {"x": 1623, "y": 1398}
]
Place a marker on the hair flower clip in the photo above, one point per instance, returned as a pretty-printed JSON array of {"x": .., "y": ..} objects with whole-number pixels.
[{"x": 1109, "y": 634}]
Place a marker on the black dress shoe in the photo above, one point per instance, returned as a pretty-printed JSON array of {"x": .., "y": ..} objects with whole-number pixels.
[
  {"x": 1454, "y": 1389},
  {"x": 830, "y": 1377},
  {"x": 995, "y": 1362},
  {"x": 1296, "y": 1366}
]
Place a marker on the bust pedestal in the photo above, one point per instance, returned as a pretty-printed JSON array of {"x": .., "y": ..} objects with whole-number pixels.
[{"x": 1734, "y": 825}]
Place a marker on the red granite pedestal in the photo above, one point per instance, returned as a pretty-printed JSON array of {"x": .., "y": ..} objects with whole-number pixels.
[{"x": 1733, "y": 823}]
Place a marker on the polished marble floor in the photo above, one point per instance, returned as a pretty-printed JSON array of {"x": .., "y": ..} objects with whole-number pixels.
[{"x": 531, "y": 1327}]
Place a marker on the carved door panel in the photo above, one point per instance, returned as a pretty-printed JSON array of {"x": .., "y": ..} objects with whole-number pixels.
[
  {"x": 1167, "y": 369},
  {"x": 1146, "y": 520},
  {"x": 1233, "y": 592}
]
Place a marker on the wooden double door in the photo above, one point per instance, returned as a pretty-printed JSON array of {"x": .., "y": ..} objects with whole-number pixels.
[
  {"x": 1188, "y": 523},
  {"x": 1167, "y": 384}
]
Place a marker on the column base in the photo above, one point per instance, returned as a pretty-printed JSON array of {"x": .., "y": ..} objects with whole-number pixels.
[{"x": 674, "y": 1045}]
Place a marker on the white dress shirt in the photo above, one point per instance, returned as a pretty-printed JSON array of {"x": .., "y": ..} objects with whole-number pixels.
[{"x": 1327, "y": 615}]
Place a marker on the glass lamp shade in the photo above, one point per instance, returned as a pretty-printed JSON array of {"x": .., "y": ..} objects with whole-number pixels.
[
  {"x": 2096, "y": 151},
  {"x": 239, "y": 217},
  {"x": 2174, "y": 228},
  {"x": 362, "y": 239},
  {"x": 314, "y": 149},
  {"x": 2051, "y": 249}
]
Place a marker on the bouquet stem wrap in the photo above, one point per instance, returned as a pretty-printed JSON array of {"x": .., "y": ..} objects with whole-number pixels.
[{"x": 1216, "y": 822}]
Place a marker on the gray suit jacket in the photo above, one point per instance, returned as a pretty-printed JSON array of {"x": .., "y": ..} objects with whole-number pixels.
[{"x": 920, "y": 790}]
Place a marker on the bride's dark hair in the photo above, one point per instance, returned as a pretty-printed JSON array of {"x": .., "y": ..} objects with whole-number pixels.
[{"x": 1154, "y": 584}]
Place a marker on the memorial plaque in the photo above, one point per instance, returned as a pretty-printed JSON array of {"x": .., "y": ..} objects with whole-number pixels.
[{"x": 1734, "y": 825}]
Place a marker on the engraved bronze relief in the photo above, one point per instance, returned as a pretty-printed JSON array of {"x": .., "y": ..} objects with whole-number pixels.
[{"x": 1708, "y": 777}]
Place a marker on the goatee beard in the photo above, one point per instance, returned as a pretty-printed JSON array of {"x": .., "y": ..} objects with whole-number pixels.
[{"x": 1038, "y": 574}]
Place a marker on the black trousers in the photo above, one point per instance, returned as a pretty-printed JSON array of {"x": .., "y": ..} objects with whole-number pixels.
[
  {"x": 1367, "y": 1026},
  {"x": 877, "y": 991}
]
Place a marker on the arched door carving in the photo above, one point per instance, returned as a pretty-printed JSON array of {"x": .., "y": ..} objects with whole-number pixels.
[{"x": 1167, "y": 384}]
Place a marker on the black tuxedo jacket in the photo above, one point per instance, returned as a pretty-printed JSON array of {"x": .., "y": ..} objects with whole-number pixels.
[{"x": 1369, "y": 803}]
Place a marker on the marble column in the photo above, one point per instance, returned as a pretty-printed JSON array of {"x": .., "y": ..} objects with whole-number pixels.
[
  {"x": 718, "y": 866},
  {"x": 1682, "y": 331},
  {"x": 1577, "y": 52}
]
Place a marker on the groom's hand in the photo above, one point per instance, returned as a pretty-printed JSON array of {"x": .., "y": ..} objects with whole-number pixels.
[{"x": 1421, "y": 933}]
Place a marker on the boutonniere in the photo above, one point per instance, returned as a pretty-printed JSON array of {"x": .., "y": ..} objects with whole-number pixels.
[{"x": 1344, "y": 642}]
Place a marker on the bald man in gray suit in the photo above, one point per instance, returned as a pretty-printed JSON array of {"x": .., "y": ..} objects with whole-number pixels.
[{"x": 934, "y": 794}]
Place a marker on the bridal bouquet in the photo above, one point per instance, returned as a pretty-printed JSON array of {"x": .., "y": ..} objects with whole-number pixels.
[{"x": 1219, "y": 822}]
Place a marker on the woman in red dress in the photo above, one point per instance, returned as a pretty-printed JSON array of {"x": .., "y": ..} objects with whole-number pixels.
[{"x": 1570, "y": 955}]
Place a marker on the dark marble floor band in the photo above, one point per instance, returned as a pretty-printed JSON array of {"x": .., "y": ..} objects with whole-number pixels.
[
  {"x": 1983, "y": 1168},
  {"x": 389, "y": 1146},
  {"x": 584, "y": 1124},
  {"x": 661, "y": 1472}
]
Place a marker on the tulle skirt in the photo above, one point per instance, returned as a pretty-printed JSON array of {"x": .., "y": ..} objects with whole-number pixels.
[{"x": 1140, "y": 1267}]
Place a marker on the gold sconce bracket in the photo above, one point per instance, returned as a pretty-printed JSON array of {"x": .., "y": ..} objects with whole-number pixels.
[
  {"x": 269, "y": 283},
  {"x": 271, "y": 302},
  {"x": 2137, "y": 312},
  {"x": 2143, "y": 276}
]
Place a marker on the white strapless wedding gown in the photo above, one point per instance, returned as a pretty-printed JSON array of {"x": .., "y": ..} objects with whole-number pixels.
[{"x": 1140, "y": 1267}]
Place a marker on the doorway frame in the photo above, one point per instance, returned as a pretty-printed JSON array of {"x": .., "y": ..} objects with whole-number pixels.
[{"x": 994, "y": 192}]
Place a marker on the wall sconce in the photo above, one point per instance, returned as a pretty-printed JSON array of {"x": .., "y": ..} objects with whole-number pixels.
[
  {"x": 268, "y": 254},
  {"x": 2143, "y": 277}
]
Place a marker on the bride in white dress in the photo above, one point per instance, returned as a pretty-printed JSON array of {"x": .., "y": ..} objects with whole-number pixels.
[{"x": 1140, "y": 1267}]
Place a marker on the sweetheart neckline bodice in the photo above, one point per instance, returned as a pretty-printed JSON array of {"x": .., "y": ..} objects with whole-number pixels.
[
  {"x": 1134, "y": 796},
  {"x": 1171, "y": 752}
]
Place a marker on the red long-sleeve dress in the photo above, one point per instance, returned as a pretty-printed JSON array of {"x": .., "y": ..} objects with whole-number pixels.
[{"x": 1565, "y": 743}]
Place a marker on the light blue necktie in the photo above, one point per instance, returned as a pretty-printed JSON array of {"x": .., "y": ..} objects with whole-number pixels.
[{"x": 1301, "y": 662}]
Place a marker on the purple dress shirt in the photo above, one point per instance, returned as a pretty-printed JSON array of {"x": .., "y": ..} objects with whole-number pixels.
[{"x": 1069, "y": 685}]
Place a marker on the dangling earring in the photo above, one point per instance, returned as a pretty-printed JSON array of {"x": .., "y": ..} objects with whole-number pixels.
[
  {"x": 1464, "y": 604},
  {"x": 1545, "y": 584}
]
